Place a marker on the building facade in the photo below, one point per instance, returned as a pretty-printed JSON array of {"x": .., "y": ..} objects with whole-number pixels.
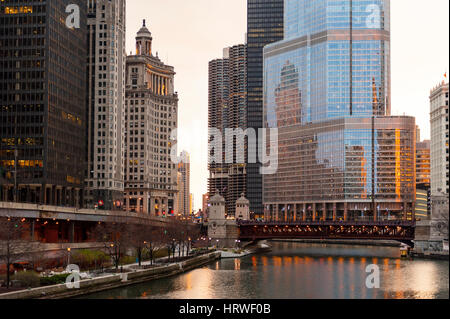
[
  {"x": 184, "y": 189},
  {"x": 227, "y": 111},
  {"x": 327, "y": 90},
  {"x": 423, "y": 179},
  {"x": 42, "y": 102},
  {"x": 439, "y": 140},
  {"x": 265, "y": 21},
  {"x": 151, "y": 114},
  {"x": 106, "y": 104}
]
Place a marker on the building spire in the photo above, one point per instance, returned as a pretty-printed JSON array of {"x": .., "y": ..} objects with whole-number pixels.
[{"x": 143, "y": 24}]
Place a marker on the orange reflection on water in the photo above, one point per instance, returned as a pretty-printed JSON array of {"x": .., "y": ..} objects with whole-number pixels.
[
  {"x": 297, "y": 260},
  {"x": 189, "y": 281},
  {"x": 237, "y": 264},
  {"x": 254, "y": 262},
  {"x": 287, "y": 260},
  {"x": 265, "y": 261},
  {"x": 277, "y": 261}
]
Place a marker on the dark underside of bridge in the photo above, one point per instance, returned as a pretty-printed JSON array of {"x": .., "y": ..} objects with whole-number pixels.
[{"x": 402, "y": 231}]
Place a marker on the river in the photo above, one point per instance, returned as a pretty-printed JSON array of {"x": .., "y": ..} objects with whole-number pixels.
[{"x": 301, "y": 271}]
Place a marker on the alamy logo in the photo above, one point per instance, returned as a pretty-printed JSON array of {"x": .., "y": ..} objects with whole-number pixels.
[
  {"x": 373, "y": 280},
  {"x": 232, "y": 151},
  {"x": 73, "y": 280},
  {"x": 73, "y": 19}
]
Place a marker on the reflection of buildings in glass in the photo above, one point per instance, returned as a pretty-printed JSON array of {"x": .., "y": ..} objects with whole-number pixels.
[{"x": 288, "y": 98}]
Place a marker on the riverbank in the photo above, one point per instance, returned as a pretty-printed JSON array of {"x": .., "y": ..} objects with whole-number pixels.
[
  {"x": 99, "y": 284},
  {"x": 382, "y": 243}
]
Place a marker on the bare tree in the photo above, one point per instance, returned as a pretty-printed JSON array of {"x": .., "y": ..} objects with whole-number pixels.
[
  {"x": 114, "y": 238},
  {"x": 13, "y": 246}
]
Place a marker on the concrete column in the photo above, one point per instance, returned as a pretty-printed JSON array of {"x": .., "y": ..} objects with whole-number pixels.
[
  {"x": 286, "y": 213},
  {"x": 127, "y": 204},
  {"x": 277, "y": 216},
  {"x": 71, "y": 232},
  {"x": 295, "y": 213},
  {"x": 345, "y": 211},
  {"x": 324, "y": 209},
  {"x": 304, "y": 212},
  {"x": 146, "y": 205},
  {"x": 32, "y": 229},
  {"x": 334, "y": 211},
  {"x": 314, "y": 211}
]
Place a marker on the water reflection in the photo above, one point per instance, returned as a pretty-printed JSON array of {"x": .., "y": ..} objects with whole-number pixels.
[{"x": 301, "y": 271}]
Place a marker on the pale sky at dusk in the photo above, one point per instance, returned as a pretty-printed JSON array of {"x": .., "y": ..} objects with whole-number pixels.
[{"x": 189, "y": 33}]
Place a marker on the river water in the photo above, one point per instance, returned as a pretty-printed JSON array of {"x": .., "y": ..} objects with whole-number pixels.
[{"x": 301, "y": 271}]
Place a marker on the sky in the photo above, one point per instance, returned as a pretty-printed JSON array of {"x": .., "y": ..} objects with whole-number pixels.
[{"x": 187, "y": 34}]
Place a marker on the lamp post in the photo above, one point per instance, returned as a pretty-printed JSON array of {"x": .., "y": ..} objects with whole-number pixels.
[{"x": 68, "y": 256}]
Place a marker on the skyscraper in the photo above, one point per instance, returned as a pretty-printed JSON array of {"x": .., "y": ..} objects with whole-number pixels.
[
  {"x": 327, "y": 90},
  {"x": 42, "y": 102},
  {"x": 184, "y": 188},
  {"x": 264, "y": 26},
  {"x": 439, "y": 139},
  {"x": 227, "y": 111},
  {"x": 151, "y": 113},
  {"x": 106, "y": 103}
]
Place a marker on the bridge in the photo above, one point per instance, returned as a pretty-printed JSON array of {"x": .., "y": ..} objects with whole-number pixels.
[
  {"x": 55, "y": 224},
  {"x": 398, "y": 230}
]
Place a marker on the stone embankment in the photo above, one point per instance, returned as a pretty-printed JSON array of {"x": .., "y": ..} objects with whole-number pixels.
[{"x": 89, "y": 286}]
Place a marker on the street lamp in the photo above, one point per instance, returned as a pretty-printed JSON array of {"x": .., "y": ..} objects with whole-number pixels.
[{"x": 68, "y": 256}]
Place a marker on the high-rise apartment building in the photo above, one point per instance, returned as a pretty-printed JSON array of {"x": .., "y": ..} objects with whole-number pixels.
[
  {"x": 106, "y": 104},
  {"x": 42, "y": 102},
  {"x": 151, "y": 109},
  {"x": 184, "y": 188},
  {"x": 327, "y": 90},
  {"x": 439, "y": 139},
  {"x": 265, "y": 20},
  {"x": 227, "y": 111}
]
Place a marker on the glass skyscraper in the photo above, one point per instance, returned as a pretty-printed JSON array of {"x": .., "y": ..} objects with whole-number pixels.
[
  {"x": 322, "y": 85},
  {"x": 42, "y": 102},
  {"x": 264, "y": 26}
]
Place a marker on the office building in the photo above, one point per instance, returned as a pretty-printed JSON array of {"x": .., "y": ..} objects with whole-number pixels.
[
  {"x": 42, "y": 102},
  {"x": 106, "y": 104},
  {"x": 151, "y": 109},
  {"x": 423, "y": 181},
  {"x": 327, "y": 90},
  {"x": 439, "y": 139},
  {"x": 184, "y": 188},
  {"x": 265, "y": 21}
]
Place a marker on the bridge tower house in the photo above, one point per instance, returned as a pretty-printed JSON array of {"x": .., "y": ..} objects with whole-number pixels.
[
  {"x": 223, "y": 231},
  {"x": 243, "y": 208}
]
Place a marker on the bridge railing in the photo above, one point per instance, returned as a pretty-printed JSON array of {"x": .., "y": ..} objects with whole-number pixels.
[{"x": 330, "y": 223}]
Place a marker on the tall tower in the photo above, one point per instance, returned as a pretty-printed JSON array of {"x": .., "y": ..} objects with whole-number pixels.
[
  {"x": 264, "y": 26},
  {"x": 227, "y": 109},
  {"x": 327, "y": 91},
  {"x": 184, "y": 168},
  {"x": 43, "y": 98},
  {"x": 151, "y": 114},
  {"x": 439, "y": 139},
  {"x": 106, "y": 104}
]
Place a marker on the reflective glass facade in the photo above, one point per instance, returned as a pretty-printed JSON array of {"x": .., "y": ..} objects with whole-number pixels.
[{"x": 322, "y": 84}]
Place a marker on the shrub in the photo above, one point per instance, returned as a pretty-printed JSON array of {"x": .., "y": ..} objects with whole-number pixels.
[
  {"x": 29, "y": 279},
  {"x": 125, "y": 260},
  {"x": 88, "y": 259},
  {"x": 54, "y": 280}
]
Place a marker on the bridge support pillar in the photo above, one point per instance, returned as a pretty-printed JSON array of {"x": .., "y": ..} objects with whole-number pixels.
[
  {"x": 324, "y": 212},
  {"x": 334, "y": 211},
  {"x": 286, "y": 213},
  {"x": 345, "y": 211},
  {"x": 295, "y": 213},
  {"x": 314, "y": 212},
  {"x": 304, "y": 212}
]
